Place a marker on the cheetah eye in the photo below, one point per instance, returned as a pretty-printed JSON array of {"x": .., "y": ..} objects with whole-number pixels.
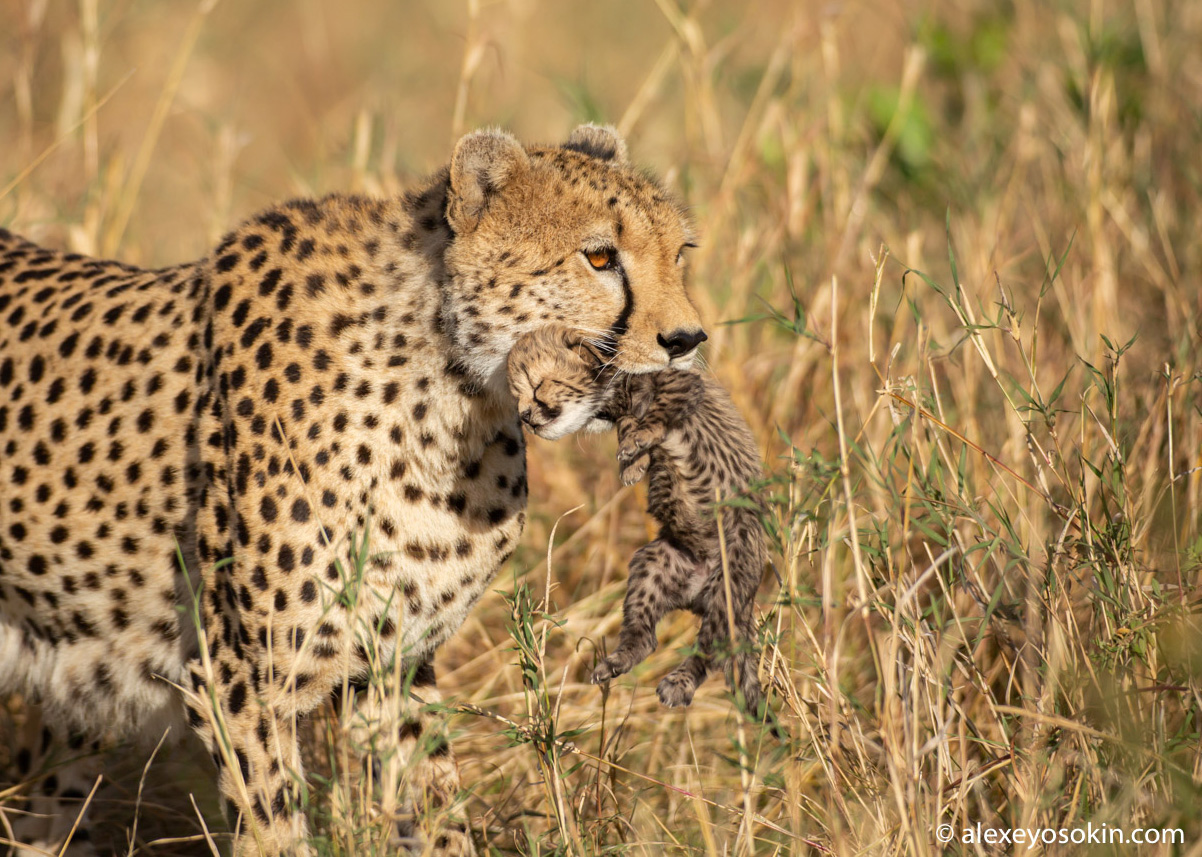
[{"x": 603, "y": 259}]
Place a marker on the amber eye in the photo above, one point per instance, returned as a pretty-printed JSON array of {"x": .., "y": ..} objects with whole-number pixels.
[{"x": 601, "y": 260}]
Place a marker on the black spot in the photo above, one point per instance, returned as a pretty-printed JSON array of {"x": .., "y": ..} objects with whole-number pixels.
[
  {"x": 241, "y": 312},
  {"x": 270, "y": 280},
  {"x": 253, "y": 330},
  {"x": 237, "y": 699},
  {"x": 56, "y": 391},
  {"x": 340, "y": 323}
]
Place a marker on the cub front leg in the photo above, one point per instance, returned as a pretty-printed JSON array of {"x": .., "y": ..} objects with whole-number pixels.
[{"x": 660, "y": 576}]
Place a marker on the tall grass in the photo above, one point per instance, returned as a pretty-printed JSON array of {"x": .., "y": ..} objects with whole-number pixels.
[{"x": 949, "y": 271}]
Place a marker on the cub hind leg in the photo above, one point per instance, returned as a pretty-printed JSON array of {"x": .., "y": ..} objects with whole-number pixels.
[
  {"x": 714, "y": 645},
  {"x": 660, "y": 577}
]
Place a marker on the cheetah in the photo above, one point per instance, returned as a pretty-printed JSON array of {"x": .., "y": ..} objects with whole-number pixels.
[
  {"x": 192, "y": 457},
  {"x": 682, "y": 432}
]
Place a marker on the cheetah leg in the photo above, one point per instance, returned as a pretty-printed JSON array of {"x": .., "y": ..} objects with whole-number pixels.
[
  {"x": 259, "y": 768},
  {"x": 406, "y": 771},
  {"x": 659, "y": 576},
  {"x": 59, "y": 789}
]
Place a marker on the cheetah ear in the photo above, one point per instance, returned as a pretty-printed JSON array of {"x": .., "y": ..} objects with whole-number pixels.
[
  {"x": 482, "y": 164},
  {"x": 599, "y": 141}
]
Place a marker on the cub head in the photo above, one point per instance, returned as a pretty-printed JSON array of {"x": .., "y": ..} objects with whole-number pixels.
[
  {"x": 560, "y": 383},
  {"x": 571, "y": 235}
]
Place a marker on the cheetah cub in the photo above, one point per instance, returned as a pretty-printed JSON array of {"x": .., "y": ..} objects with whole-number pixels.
[{"x": 681, "y": 430}]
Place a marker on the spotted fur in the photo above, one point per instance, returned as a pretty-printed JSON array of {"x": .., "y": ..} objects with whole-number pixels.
[
  {"x": 230, "y": 429},
  {"x": 681, "y": 431}
]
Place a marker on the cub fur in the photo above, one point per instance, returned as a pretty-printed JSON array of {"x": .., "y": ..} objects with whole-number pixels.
[{"x": 681, "y": 431}]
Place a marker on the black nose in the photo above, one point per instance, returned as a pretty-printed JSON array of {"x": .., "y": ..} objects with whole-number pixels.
[{"x": 680, "y": 342}]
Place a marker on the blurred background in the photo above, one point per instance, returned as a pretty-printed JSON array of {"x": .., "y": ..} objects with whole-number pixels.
[{"x": 987, "y": 476}]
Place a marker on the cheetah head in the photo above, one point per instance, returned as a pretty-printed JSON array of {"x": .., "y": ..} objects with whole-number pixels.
[{"x": 568, "y": 235}]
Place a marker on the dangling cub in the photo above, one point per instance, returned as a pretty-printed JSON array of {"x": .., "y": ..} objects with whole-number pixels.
[{"x": 681, "y": 429}]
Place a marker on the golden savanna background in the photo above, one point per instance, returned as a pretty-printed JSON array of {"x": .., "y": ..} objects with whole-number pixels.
[{"x": 950, "y": 271}]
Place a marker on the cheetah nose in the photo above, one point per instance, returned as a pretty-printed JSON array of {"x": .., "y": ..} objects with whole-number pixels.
[{"x": 681, "y": 342}]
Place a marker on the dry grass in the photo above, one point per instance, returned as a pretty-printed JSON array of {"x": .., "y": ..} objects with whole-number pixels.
[{"x": 988, "y": 475}]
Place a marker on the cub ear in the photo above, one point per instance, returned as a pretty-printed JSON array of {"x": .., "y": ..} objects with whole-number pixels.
[
  {"x": 641, "y": 390},
  {"x": 482, "y": 164},
  {"x": 599, "y": 141}
]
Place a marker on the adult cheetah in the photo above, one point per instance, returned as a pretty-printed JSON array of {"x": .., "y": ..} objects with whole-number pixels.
[{"x": 234, "y": 426}]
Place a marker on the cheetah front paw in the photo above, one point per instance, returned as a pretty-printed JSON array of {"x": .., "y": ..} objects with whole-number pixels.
[
  {"x": 676, "y": 690},
  {"x": 453, "y": 841}
]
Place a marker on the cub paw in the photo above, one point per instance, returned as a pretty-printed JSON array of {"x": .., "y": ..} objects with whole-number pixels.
[
  {"x": 676, "y": 691},
  {"x": 635, "y": 442},
  {"x": 635, "y": 470},
  {"x": 753, "y": 698},
  {"x": 615, "y": 665}
]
